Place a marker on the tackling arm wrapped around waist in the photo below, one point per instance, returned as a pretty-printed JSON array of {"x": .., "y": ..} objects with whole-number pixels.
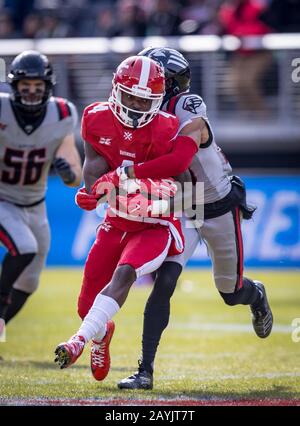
[{"x": 171, "y": 164}]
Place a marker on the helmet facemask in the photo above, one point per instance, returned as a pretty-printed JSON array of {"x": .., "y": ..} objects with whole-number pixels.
[
  {"x": 30, "y": 102},
  {"x": 22, "y": 98},
  {"x": 31, "y": 65},
  {"x": 132, "y": 117}
]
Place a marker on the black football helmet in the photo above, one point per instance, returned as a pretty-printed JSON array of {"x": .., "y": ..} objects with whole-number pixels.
[
  {"x": 31, "y": 65},
  {"x": 176, "y": 67}
]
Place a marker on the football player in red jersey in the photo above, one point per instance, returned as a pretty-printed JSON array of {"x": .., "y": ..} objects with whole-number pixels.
[
  {"x": 128, "y": 129},
  {"x": 225, "y": 204}
]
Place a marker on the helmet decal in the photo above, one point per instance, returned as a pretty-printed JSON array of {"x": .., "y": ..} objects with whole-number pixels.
[{"x": 176, "y": 67}]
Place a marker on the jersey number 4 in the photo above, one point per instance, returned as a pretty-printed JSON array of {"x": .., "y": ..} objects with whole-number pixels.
[{"x": 25, "y": 167}]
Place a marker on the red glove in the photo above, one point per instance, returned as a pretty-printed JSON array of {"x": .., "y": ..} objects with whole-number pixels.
[
  {"x": 138, "y": 206},
  {"x": 106, "y": 183},
  {"x": 86, "y": 201},
  {"x": 112, "y": 180},
  {"x": 156, "y": 188},
  {"x": 160, "y": 188}
]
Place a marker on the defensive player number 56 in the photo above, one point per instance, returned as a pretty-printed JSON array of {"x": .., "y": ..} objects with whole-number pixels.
[{"x": 24, "y": 168}]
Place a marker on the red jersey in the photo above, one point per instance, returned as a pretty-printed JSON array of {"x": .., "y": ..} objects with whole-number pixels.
[{"x": 121, "y": 145}]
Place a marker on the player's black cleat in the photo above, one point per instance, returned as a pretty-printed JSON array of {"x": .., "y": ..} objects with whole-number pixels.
[
  {"x": 262, "y": 318},
  {"x": 142, "y": 379}
]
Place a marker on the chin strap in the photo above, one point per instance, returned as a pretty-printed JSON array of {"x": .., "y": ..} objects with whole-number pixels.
[{"x": 135, "y": 122}]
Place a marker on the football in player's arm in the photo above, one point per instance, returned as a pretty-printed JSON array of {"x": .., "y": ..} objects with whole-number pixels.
[
  {"x": 127, "y": 130},
  {"x": 224, "y": 206}
]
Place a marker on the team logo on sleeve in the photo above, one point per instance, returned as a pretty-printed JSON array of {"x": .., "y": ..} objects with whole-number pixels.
[
  {"x": 192, "y": 103},
  {"x": 105, "y": 141}
]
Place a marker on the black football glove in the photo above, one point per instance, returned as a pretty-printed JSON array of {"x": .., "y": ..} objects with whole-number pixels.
[{"x": 63, "y": 169}]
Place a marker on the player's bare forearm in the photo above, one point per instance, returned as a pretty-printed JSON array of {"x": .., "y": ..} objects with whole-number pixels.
[
  {"x": 197, "y": 130},
  {"x": 67, "y": 162},
  {"x": 94, "y": 166},
  {"x": 90, "y": 174}
]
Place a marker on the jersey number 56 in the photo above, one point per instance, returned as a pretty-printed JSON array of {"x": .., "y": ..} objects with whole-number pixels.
[{"x": 25, "y": 167}]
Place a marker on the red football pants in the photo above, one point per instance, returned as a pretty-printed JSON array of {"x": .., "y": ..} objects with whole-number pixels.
[{"x": 144, "y": 250}]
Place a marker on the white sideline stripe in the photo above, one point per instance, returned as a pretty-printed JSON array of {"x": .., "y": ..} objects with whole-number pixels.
[
  {"x": 215, "y": 377},
  {"x": 145, "y": 71},
  {"x": 235, "y": 328}
]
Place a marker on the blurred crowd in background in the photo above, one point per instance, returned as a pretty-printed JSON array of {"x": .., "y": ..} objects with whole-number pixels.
[
  {"x": 103, "y": 18},
  {"x": 250, "y": 82}
]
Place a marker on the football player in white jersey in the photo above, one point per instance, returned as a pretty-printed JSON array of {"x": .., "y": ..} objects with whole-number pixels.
[
  {"x": 36, "y": 130},
  {"x": 224, "y": 206}
]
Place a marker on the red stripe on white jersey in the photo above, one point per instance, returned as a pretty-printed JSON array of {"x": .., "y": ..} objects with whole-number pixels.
[
  {"x": 240, "y": 252},
  {"x": 7, "y": 241}
]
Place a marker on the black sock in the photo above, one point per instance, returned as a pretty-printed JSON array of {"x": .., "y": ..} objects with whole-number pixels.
[
  {"x": 157, "y": 311},
  {"x": 12, "y": 267},
  {"x": 17, "y": 300},
  {"x": 252, "y": 294}
]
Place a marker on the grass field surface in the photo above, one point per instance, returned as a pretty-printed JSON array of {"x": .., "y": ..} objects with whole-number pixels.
[{"x": 209, "y": 354}]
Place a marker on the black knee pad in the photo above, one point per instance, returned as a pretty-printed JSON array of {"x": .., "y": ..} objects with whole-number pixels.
[{"x": 166, "y": 278}]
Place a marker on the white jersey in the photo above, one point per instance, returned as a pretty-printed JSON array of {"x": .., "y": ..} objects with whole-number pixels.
[
  {"x": 209, "y": 164},
  {"x": 26, "y": 154}
]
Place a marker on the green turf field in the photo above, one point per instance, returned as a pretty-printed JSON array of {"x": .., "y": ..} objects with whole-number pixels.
[{"x": 208, "y": 352}]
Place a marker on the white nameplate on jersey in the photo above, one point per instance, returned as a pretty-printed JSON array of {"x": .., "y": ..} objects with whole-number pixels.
[
  {"x": 127, "y": 154},
  {"x": 105, "y": 141}
]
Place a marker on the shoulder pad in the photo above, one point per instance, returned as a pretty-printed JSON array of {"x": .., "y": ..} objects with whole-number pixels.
[
  {"x": 63, "y": 108},
  {"x": 96, "y": 107}
]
